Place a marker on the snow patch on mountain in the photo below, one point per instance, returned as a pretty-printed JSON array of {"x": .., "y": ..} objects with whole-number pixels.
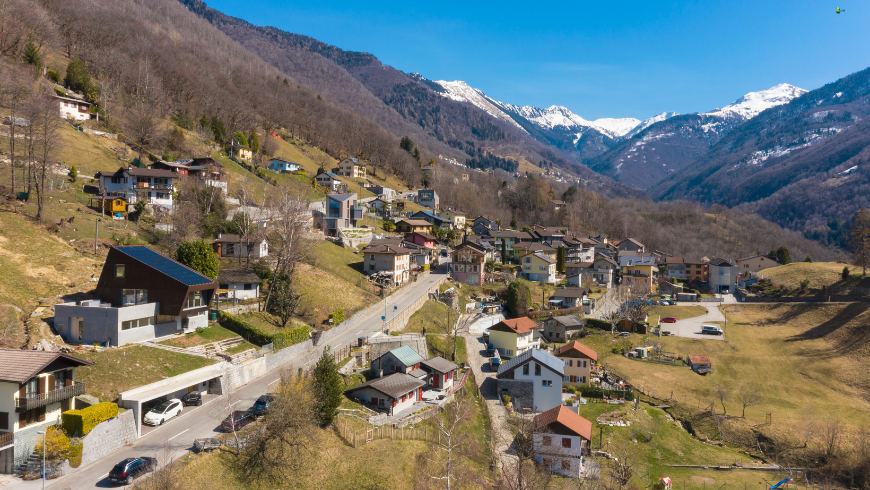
[
  {"x": 649, "y": 122},
  {"x": 462, "y": 92},
  {"x": 753, "y": 103}
]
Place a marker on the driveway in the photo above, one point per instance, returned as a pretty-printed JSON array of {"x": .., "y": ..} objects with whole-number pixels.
[{"x": 691, "y": 327}]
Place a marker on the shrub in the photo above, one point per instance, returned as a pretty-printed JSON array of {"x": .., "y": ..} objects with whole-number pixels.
[
  {"x": 337, "y": 316},
  {"x": 80, "y": 422},
  {"x": 56, "y": 444},
  {"x": 596, "y": 323},
  {"x": 290, "y": 337},
  {"x": 73, "y": 173},
  {"x": 805, "y": 283},
  {"x": 389, "y": 226},
  {"x": 75, "y": 453},
  {"x": 198, "y": 255},
  {"x": 845, "y": 273},
  {"x": 506, "y": 399},
  {"x": 53, "y": 76},
  {"x": 425, "y": 267}
]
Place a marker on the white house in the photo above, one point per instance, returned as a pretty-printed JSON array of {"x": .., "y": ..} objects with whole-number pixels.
[
  {"x": 279, "y": 165},
  {"x": 330, "y": 182},
  {"x": 154, "y": 186},
  {"x": 352, "y": 168},
  {"x": 539, "y": 267},
  {"x": 722, "y": 275},
  {"x": 388, "y": 259},
  {"x": 238, "y": 284},
  {"x": 562, "y": 442},
  {"x": 533, "y": 380},
  {"x": 392, "y": 394},
  {"x": 77, "y": 110},
  {"x": 229, "y": 245}
]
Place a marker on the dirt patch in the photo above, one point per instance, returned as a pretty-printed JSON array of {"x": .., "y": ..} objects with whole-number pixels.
[{"x": 702, "y": 480}]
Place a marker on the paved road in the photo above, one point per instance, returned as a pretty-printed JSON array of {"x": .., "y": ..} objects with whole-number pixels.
[
  {"x": 691, "y": 327},
  {"x": 179, "y": 433}
]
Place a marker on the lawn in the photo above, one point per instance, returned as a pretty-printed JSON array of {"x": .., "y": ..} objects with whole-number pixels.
[
  {"x": 323, "y": 292},
  {"x": 339, "y": 261},
  {"x": 440, "y": 345},
  {"x": 119, "y": 370},
  {"x": 202, "y": 336},
  {"x": 432, "y": 316},
  {"x": 818, "y": 273},
  {"x": 266, "y": 322},
  {"x": 678, "y": 312}
]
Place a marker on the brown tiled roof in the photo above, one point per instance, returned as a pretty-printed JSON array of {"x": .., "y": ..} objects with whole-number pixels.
[
  {"x": 577, "y": 346},
  {"x": 700, "y": 360},
  {"x": 152, "y": 172},
  {"x": 570, "y": 293},
  {"x": 424, "y": 235},
  {"x": 516, "y": 325},
  {"x": 440, "y": 364},
  {"x": 238, "y": 276},
  {"x": 415, "y": 222},
  {"x": 387, "y": 249},
  {"x": 673, "y": 260},
  {"x": 567, "y": 418},
  {"x": 393, "y": 385},
  {"x": 17, "y": 366}
]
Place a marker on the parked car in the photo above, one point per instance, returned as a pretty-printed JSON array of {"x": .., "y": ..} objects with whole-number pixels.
[
  {"x": 494, "y": 363},
  {"x": 262, "y": 405},
  {"x": 670, "y": 302},
  {"x": 192, "y": 398},
  {"x": 490, "y": 350},
  {"x": 126, "y": 471},
  {"x": 711, "y": 330},
  {"x": 237, "y": 420},
  {"x": 163, "y": 412},
  {"x": 669, "y": 319}
]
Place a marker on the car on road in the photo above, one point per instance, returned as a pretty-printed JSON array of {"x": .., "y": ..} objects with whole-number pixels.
[
  {"x": 261, "y": 406},
  {"x": 193, "y": 398},
  {"x": 711, "y": 330},
  {"x": 494, "y": 363},
  {"x": 669, "y": 319},
  {"x": 126, "y": 471},
  {"x": 163, "y": 412},
  {"x": 237, "y": 420}
]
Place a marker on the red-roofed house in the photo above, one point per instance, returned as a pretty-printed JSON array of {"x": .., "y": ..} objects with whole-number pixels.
[
  {"x": 513, "y": 337},
  {"x": 422, "y": 239},
  {"x": 563, "y": 442},
  {"x": 578, "y": 360}
]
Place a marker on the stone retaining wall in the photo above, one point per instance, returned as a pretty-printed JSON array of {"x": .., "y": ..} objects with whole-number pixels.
[{"x": 109, "y": 436}]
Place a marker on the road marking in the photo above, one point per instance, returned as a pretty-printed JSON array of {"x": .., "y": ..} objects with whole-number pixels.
[
  {"x": 176, "y": 435},
  {"x": 231, "y": 404},
  {"x": 104, "y": 476}
]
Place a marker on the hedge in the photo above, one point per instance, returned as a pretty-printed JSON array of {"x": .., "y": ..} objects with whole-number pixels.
[
  {"x": 256, "y": 336},
  {"x": 596, "y": 392},
  {"x": 425, "y": 267},
  {"x": 596, "y": 323},
  {"x": 337, "y": 316},
  {"x": 80, "y": 422}
]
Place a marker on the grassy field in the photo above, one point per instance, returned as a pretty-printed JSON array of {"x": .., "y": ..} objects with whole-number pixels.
[
  {"x": 119, "y": 370},
  {"x": 678, "y": 312},
  {"x": 213, "y": 333},
  {"x": 432, "y": 316},
  {"x": 803, "y": 357},
  {"x": 266, "y": 322},
  {"x": 818, "y": 273},
  {"x": 323, "y": 293},
  {"x": 440, "y": 345},
  {"x": 339, "y": 261}
]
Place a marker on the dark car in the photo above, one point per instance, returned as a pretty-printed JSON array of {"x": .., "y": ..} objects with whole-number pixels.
[
  {"x": 126, "y": 471},
  {"x": 192, "y": 398},
  {"x": 237, "y": 420},
  {"x": 262, "y": 405},
  {"x": 669, "y": 319}
]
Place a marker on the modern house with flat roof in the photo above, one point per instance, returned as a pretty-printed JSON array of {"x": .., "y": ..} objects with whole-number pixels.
[
  {"x": 342, "y": 211},
  {"x": 141, "y": 295}
]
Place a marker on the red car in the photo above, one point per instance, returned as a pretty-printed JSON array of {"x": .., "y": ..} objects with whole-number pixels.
[{"x": 669, "y": 319}]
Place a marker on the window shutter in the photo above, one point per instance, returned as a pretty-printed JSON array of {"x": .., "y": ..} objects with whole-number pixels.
[
  {"x": 4, "y": 420},
  {"x": 40, "y": 385},
  {"x": 51, "y": 381},
  {"x": 41, "y": 414},
  {"x": 68, "y": 381},
  {"x": 22, "y": 420}
]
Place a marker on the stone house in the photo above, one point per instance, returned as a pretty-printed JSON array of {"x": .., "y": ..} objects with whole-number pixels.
[{"x": 562, "y": 328}]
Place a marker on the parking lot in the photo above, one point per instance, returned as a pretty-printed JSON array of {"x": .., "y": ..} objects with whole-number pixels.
[
  {"x": 185, "y": 412},
  {"x": 691, "y": 327}
]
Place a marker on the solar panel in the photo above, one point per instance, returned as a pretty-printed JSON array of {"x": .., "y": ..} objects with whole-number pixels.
[{"x": 171, "y": 268}]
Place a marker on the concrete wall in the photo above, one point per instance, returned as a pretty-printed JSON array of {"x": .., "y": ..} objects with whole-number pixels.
[
  {"x": 235, "y": 377},
  {"x": 107, "y": 437},
  {"x": 104, "y": 324}
]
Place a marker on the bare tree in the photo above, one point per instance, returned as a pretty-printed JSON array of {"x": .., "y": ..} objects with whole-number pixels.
[
  {"x": 621, "y": 468},
  {"x": 519, "y": 469},
  {"x": 612, "y": 305},
  {"x": 288, "y": 211},
  {"x": 723, "y": 394},
  {"x": 750, "y": 396},
  {"x": 165, "y": 475},
  {"x": 44, "y": 125},
  {"x": 247, "y": 227},
  {"x": 14, "y": 90},
  {"x": 441, "y": 465}
]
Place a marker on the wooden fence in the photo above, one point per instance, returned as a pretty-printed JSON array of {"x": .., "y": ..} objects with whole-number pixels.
[{"x": 360, "y": 437}]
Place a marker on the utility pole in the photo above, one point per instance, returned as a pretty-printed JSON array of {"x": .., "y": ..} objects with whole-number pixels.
[{"x": 96, "y": 233}]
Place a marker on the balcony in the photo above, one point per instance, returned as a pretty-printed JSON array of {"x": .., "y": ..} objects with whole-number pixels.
[
  {"x": 7, "y": 439},
  {"x": 144, "y": 186},
  {"x": 35, "y": 401}
]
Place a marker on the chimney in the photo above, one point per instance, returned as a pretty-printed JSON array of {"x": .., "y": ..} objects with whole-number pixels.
[{"x": 380, "y": 373}]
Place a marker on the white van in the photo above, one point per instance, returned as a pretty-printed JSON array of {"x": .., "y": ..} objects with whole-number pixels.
[{"x": 711, "y": 329}]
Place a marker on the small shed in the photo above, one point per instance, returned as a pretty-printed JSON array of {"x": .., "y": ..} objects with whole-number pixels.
[
  {"x": 687, "y": 297},
  {"x": 700, "y": 364}
]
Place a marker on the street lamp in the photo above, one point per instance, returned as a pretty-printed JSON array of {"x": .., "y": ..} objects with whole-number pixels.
[{"x": 42, "y": 433}]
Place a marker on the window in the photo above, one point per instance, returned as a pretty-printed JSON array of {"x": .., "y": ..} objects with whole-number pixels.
[
  {"x": 541, "y": 267},
  {"x": 546, "y": 440},
  {"x": 127, "y": 325},
  {"x": 566, "y": 442},
  {"x": 528, "y": 260},
  {"x": 371, "y": 267},
  {"x": 60, "y": 378},
  {"x": 566, "y": 464},
  {"x": 546, "y": 382},
  {"x": 566, "y": 379},
  {"x": 525, "y": 369},
  {"x": 119, "y": 270},
  {"x": 537, "y": 369},
  {"x": 165, "y": 318},
  {"x": 568, "y": 362},
  {"x": 194, "y": 300}
]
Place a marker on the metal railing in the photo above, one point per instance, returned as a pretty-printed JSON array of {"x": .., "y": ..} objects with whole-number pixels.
[
  {"x": 7, "y": 439},
  {"x": 40, "y": 400}
]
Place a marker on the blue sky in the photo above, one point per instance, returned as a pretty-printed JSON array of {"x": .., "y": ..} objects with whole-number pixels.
[{"x": 601, "y": 59}]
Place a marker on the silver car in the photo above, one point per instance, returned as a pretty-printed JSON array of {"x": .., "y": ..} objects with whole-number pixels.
[{"x": 163, "y": 412}]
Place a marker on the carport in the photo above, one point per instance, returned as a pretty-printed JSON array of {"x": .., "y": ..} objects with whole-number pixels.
[{"x": 204, "y": 380}]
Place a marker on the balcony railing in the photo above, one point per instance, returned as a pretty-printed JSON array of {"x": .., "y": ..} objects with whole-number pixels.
[
  {"x": 35, "y": 401},
  {"x": 7, "y": 439}
]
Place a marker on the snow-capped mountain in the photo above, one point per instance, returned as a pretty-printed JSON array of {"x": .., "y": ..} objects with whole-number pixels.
[
  {"x": 649, "y": 122},
  {"x": 753, "y": 103},
  {"x": 461, "y": 91}
]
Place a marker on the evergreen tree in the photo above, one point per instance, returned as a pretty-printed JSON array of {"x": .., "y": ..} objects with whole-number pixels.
[
  {"x": 845, "y": 273},
  {"x": 859, "y": 239},
  {"x": 32, "y": 53},
  {"x": 284, "y": 300},
  {"x": 328, "y": 388},
  {"x": 782, "y": 256},
  {"x": 198, "y": 255},
  {"x": 407, "y": 144},
  {"x": 79, "y": 79},
  {"x": 73, "y": 173},
  {"x": 560, "y": 260},
  {"x": 416, "y": 154},
  {"x": 255, "y": 141},
  {"x": 808, "y": 259},
  {"x": 518, "y": 298},
  {"x": 570, "y": 194},
  {"x": 513, "y": 223},
  {"x": 503, "y": 251},
  {"x": 240, "y": 138}
]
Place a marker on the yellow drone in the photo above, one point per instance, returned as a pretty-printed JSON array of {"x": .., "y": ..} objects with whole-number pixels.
[{"x": 840, "y": 11}]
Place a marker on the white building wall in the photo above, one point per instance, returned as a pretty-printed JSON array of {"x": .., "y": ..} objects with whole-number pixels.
[{"x": 544, "y": 397}]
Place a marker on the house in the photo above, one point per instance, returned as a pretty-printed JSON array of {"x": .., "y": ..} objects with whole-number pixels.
[
  {"x": 601, "y": 272},
  {"x": 513, "y": 337},
  {"x": 630, "y": 246},
  {"x": 755, "y": 263},
  {"x": 433, "y": 218},
  {"x": 508, "y": 239},
  {"x": 441, "y": 373},
  {"x": 676, "y": 268},
  {"x": 700, "y": 364},
  {"x": 385, "y": 192},
  {"x": 141, "y": 295},
  {"x": 229, "y": 245},
  {"x": 342, "y": 211},
  {"x": 280, "y": 165},
  {"x": 468, "y": 260},
  {"x": 696, "y": 270},
  {"x": 428, "y": 198},
  {"x": 381, "y": 206},
  {"x": 388, "y": 260},
  {"x": 578, "y": 360},
  {"x": 352, "y": 168},
  {"x": 392, "y": 394},
  {"x": 330, "y": 182},
  {"x": 238, "y": 284},
  {"x": 539, "y": 267},
  {"x": 413, "y": 226},
  {"x": 556, "y": 204},
  {"x": 483, "y": 226},
  {"x": 205, "y": 169},
  {"x": 153, "y": 186},
  {"x": 37, "y": 386},
  {"x": 422, "y": 239},
  {"x": 399, "y": 360},
  {"x": 562, "y": 441},
  {"x": 570, "y": 297},
  {"x": 533, "y": 380},
  {"x": 77, "y": 110},
  {"x": 244, "y": 152},
  {"x": 722, "y": 275},
  {"x": 578, "y": 249},
  {"x": 456, "y": 217},
  {"x": 639, "y": 272},
  {"x": 561, "y": 328}
]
